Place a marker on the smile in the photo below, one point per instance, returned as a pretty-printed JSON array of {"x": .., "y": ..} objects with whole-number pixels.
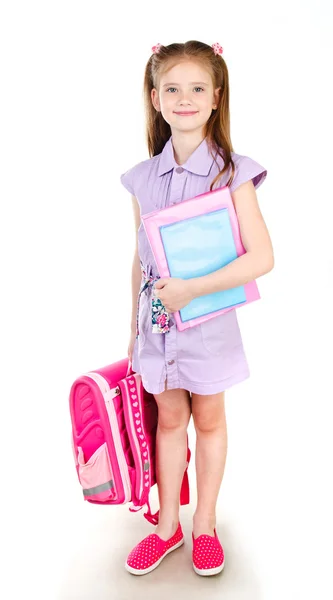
[{"x": 186, "y": 114}]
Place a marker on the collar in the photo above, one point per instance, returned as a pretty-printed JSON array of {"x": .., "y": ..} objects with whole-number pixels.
[{"x": 199, "y": 162}]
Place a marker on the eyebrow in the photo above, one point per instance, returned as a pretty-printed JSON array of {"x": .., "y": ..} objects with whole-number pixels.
[{"x": 191, "y": 82}]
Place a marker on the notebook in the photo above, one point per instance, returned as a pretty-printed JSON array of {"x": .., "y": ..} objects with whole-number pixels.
[{"x": 194, "y": 238}]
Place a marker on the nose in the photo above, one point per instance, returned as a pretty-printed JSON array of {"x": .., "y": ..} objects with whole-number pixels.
[{"x": 184, "y": 99}]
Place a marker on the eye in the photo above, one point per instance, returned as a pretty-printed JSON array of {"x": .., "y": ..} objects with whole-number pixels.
[
  {"x": 199, "y": 88},
  {"x": 170, "y": 88}
]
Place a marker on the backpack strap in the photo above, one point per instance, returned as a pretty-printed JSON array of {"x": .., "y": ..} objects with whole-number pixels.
[
  {"x": 132, "y": 397},
  {"x": 185, "y": 489},
  {"x": 184, "y": 494},
  {"x": 143, "y": 463}
]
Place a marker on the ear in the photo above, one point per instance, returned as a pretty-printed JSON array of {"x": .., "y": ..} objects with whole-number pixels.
[
  {"x": 216, "y": 97},
  {"x": 155, "y": 99}
]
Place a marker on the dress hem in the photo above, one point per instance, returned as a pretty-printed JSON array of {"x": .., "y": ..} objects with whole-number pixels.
[{"x": 197, "y": 388}]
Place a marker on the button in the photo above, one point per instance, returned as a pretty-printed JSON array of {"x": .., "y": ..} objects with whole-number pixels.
[
  {"x": 179, "y": 170},
  {"x": 170, "y": 362}
]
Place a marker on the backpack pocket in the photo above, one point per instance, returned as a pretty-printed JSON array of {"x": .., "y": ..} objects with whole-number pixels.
[{"x": 96, "y": 475}]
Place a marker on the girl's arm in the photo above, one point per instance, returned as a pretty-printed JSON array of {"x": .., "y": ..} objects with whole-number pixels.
[
  {"x": 259, "y": 257},
  {"x": 136, "y": 268}
]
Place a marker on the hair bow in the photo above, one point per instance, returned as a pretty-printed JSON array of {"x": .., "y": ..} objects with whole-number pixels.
[
  {"x": 217, "y": 48},
  {"x": 156, "y": 48}
]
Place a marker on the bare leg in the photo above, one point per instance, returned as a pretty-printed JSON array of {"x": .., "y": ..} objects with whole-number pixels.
[
  {"x": 174, "y": 412},
  {"x": 211, "y": 450}
]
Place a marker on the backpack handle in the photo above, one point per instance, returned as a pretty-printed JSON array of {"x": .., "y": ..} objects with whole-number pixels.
[{"x": 129, "y": 369}]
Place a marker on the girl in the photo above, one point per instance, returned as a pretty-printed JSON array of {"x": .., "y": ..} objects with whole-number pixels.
[{"x": 186, "y": 92}]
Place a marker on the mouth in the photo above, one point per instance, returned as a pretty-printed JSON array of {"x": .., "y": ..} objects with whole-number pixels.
[{"x": 186, "y": 113}]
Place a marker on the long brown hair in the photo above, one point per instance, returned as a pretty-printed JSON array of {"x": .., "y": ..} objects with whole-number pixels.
[{"x": 217, "y": 129}]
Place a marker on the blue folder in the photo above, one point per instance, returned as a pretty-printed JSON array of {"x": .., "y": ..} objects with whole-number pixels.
[{"x": 198, "y": 246}]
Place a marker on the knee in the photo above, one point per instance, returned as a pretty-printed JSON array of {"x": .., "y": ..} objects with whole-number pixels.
[
  {"x": 206, "y": 423},
  {"x": 208, "y": 417},
  {"x": 174, "y": 409},
  {"x": 169, "y": 419}
]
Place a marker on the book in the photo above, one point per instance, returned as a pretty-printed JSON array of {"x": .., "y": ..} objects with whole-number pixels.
[{"x": 194, "y": 238}]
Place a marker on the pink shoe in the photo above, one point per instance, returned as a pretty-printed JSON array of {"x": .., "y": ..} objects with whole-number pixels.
[
  {"x": 207, "y": 554},
  {"x": 148, "y": 554}
]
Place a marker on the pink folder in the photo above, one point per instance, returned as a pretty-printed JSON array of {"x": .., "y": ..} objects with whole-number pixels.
[{"x": 194, "y": 238}]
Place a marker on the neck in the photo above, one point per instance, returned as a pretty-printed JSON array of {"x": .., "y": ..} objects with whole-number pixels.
[{"x": 184, "y": 143}]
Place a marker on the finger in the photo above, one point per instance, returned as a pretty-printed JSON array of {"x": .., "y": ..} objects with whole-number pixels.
[{"x": 160, "y": 283}]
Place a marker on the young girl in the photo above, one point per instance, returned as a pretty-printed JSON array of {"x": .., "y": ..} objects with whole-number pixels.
[{"x": 186, "y": 91}]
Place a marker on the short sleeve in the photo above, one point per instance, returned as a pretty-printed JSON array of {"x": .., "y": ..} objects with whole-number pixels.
[
  {"x": 246, "y": 169},
  {"x": 127, "y": 180}
]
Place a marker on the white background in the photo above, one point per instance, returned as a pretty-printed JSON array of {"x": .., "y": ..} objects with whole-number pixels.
[{"x": 71, "y": 124}]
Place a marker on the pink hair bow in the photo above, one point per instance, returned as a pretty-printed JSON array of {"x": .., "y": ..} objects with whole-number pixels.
[
  {"x": 156, "y": 48},
  {"x": 217, "y": 48}
]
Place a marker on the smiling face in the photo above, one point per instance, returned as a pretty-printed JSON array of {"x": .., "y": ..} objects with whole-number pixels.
[{"x": 185, "y": 96}]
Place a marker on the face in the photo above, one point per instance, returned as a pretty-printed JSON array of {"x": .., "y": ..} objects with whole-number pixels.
[{"x": 186, "y": 96}]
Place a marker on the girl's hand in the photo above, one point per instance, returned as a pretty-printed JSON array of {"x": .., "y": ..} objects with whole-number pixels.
[{"x": 174, "y": 292}]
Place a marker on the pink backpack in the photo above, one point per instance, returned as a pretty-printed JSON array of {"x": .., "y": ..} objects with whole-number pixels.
[{"x": 114, "y": 422}]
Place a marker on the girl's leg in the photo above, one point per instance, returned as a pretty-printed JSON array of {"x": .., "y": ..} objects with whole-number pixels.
[
  {"x": 174, "y": 412},
  {"x": 211, "y": 450}
]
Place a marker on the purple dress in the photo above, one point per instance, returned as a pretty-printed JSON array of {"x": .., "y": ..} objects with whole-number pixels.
[{"x": 207, "y": 358}]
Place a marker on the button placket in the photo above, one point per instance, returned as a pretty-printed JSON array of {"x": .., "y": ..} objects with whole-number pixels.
[
  {"x": 171, "y": 356},
  {"x": 177, "y": 185},
  {"x": 176, "y": 189}
]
